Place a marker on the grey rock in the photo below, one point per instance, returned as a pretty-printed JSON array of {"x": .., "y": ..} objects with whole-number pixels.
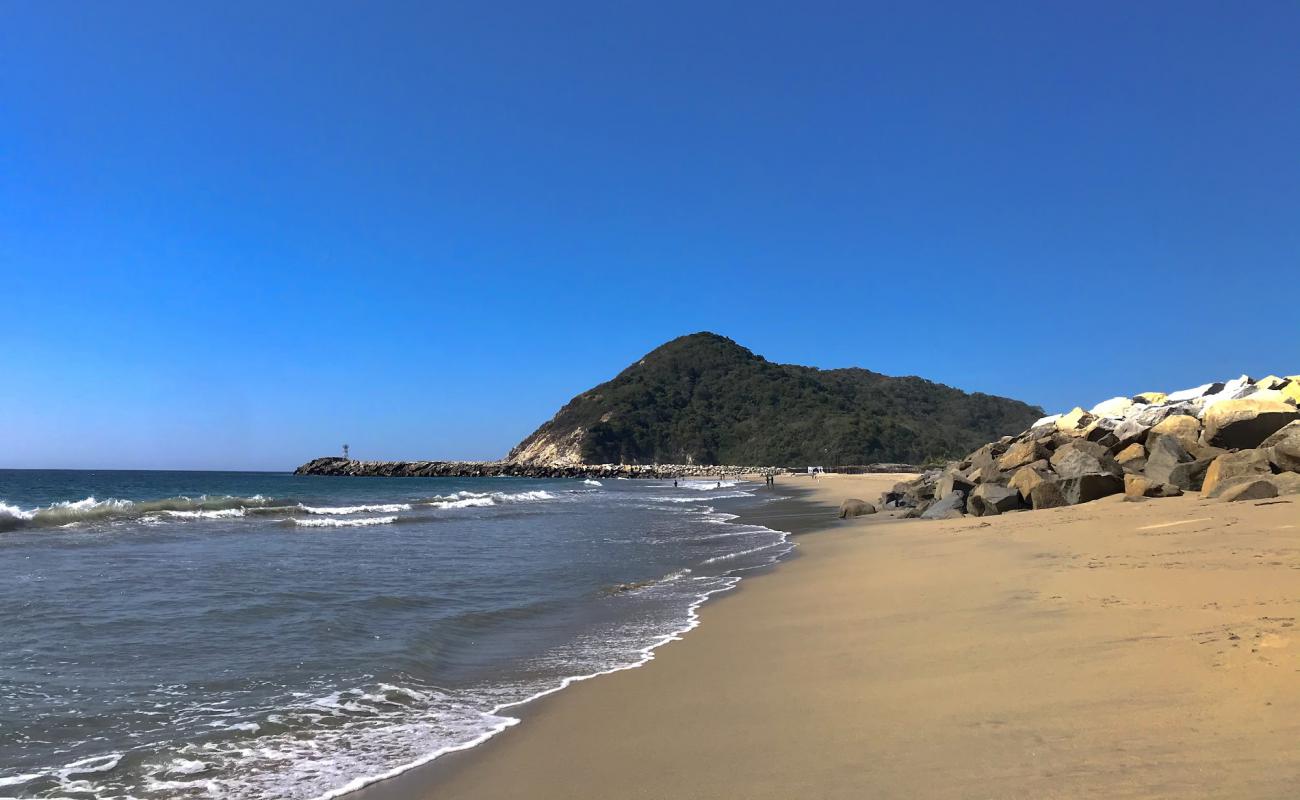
[
  {"x": 990, "y": 499},
  {"x": 1086, "y": 488},
  {"x": 1283, "y": 448},
  {"x": 953, "y": 501},
  {"x": 1080, "y": 458},
  {"x": 855, "y": 508},
  {"x": 1164, "y": 453}
]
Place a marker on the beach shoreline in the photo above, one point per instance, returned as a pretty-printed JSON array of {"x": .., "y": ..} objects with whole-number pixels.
[
  {"x": 798, "y": 510},
  {"x": 1110, "y": 649}
]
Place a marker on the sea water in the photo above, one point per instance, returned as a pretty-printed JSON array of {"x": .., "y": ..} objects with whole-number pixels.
[{"x": 255, "y": 635}]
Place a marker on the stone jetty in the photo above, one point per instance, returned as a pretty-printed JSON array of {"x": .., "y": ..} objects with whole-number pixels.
[{"x": 1229, "y": 440}]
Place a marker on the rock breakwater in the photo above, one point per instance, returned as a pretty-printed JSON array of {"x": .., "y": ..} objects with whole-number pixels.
[{"x": 1228, "y": 440}]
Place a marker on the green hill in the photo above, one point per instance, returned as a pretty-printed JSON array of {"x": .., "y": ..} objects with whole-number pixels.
[{"x": 705, "y": 399}]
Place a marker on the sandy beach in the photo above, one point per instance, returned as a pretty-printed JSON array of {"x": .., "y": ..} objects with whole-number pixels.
[{"x": 1113, "y": 649}]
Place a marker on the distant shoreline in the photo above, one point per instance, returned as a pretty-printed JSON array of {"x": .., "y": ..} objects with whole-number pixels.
[{"x": 334, "y": 466}]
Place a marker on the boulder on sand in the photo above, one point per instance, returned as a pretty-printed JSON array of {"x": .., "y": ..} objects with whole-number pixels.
[
  {"x": 1089, "y": 487},
  {"x": 953, "y": 501},
  {"x": 990, "y": 498},
  {"x": 1047, "y": 494},
  {"x": 1245, "y": 423},
  {"x": 855, "y": 508},
  {"x": 1257, "y": 489},
  {"x": 1138, "y": 486},
  {"x": 1287, "y": 483},
  {"x": 1230, "y": 469},
  {"x": 1283, "y": 447}
]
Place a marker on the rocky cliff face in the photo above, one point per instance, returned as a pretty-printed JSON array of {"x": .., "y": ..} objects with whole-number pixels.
[{"x": 546, "y": 446}]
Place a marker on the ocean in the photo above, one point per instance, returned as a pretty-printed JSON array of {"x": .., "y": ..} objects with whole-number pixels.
[{"x": 256, "y": 635}]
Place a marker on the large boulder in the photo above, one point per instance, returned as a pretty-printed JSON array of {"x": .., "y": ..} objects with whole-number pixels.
[
  {"x": 984, "y": 462},
  {"x": 1283, "y": 447},
  {"x": 1245, "y": 423},
  {"x": 1089, "y": 487},
  {"x": 952, "y": 479},
  {"x": 1183, "y": 427},
  {"x": 1132, "y": 458},
  {"x": 990, "y": 498},
  {"x": 1190, "y": 475},
  {"x": 855, "y": 508},
  {"x": 1102, "y": 431},
  {"x": 1163, "y": 454},
  {"x": 1233, "y": 468},
  {"x": 953, "y": 501},
  {"x": 1024, "y": 481},
  {"x": 1020, "y": 454},
  {"x": 1139, "y": 486},
  {"x": 1287, "y": 483},
  {"x": 1080, "y": 458},
  {"x": 1257, "y": 489},
  {"x": 1047, "y": 494}
]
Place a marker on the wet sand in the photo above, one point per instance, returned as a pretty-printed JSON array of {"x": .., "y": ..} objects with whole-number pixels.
[{"x": 1114, "y": 649}]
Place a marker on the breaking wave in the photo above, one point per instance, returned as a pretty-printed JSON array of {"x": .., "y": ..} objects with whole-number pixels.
[
  {"x": 332, "y": 522},
  {"x": 381, "y": 508},
  {"x": 92, "y": 510},
  {"x": 484, "y": 499}
]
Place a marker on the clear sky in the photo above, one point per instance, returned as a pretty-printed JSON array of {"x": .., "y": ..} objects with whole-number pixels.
[{"x": 238, "y": 234}]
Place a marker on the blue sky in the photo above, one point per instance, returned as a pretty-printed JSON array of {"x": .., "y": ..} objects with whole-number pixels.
[{"x": 235, "y": 235}]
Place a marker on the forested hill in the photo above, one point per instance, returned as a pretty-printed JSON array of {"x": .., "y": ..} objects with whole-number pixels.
[{"x": 705, "y": 399}]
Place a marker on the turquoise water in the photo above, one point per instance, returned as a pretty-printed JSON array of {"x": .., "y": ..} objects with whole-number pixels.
[{"x": 254, "y": 635}]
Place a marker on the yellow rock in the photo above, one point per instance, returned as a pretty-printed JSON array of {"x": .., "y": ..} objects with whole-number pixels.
[
  {"x": 1186, "y": 429},
  {"x": 1232, "y": 468},
  {"x": 1270, "y": 382},
  {"x": 1151, "y": 398},
  {"x": 1291, "y": 392},
  {"x": 1074, "y": 421},
  {"x": 1240, "y": 424},
  {"x": 1025, "y": 480},
  {"x": 1131, "y": 454}
]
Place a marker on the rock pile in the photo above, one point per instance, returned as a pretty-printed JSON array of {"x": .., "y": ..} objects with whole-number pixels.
[{"x": 1234, "y": 440}]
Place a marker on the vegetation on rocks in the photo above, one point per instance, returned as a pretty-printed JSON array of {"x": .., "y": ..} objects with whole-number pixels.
[{"x": 704, "y": 399}]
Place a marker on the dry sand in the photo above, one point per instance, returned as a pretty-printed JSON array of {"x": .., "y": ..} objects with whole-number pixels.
[{"x": 1110, "y": 650}]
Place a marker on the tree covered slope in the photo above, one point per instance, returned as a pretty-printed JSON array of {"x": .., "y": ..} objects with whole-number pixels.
[{"x": 705, "y": 399}]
